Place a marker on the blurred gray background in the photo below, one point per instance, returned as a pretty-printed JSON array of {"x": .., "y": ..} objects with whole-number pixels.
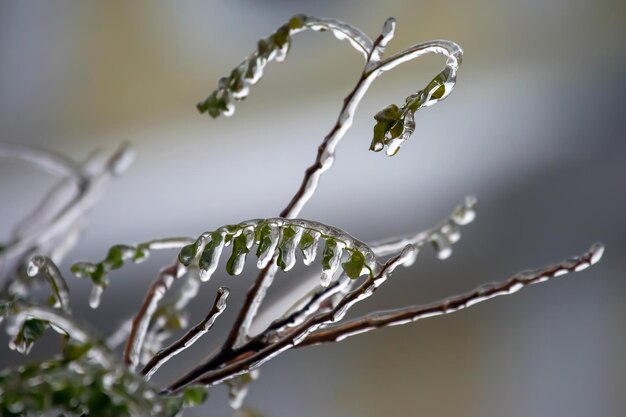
[{"x": 535, "y": 129}]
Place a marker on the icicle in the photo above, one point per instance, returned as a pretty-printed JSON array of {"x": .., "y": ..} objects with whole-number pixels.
[
  {"x": 331, "y": 262},
  {"x": 308, "y": 244},
  {"x": 268, "y": 253},
  {"x": 291, "y": 239},
  {"x": 211, "y": 255},
  {"x": 95, "y": 296}
]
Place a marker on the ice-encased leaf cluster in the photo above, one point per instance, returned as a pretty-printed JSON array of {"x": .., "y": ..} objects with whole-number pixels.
[
  {"x": 237, "y": 85},
  {"x": 278, "y": 240},
  {"x": 394, "y": 125},
  {"x": 73, "y": 385}
]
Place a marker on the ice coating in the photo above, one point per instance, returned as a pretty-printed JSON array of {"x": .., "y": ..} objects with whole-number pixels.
[
  {"x": 331, "y": 265},
  {"x": 211, "y": 255},
  {"x": 95, "y": 296},
  {"x": 60, "y": 290},
  {"x": 163, "y": 356},
  {"x": 310, "y": 252},
  {"x": 450, "y": 305},
  {"x": 117, "y": 256},
  {"x": 442, "y": 236},
  {"x": 276, "y": 238},
  {"x": 288, "y": 251},
  {"x": 268, "y": 253},
  {"x": 237, "y": 85}
]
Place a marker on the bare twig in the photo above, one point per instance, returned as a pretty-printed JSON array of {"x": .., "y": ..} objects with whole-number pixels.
[
  {"x": 450, "y": 305},
  {"x": 190, "y": 337}
]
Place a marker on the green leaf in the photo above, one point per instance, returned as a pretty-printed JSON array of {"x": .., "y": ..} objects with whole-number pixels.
[
  {"x": 288, "y": 235},
  {"x": 329, "y": 252},
  {"x": 239, "y": 248},
  {"x": 207, "y": 253},
  {"x": 98, "y": 275},
  {"x": 297, "y": 21},
  {"x": 264, "y": 239},
  {"x": 115, "y": 257},
  {"x": 195, "y": 395},
  {"x": 391, "y": 113},
  {"x": 73, "y": 351},
  {"x": 29, "y": 333},
  {"x": 354, "y": 266},
  {"x": 380, "y": 130},
  {"x": 264, "y": 47},
  {"x": 281, "y": 36},
  {"x": 397, "y": 129},
  {"x": 187, "y": 254},
  {"x": 306, "y": 242}
]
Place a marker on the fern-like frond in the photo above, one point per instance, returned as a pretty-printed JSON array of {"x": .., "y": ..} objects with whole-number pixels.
[
  {"x": 277, "y": 240},
  {"x": 237, "y": 85}
]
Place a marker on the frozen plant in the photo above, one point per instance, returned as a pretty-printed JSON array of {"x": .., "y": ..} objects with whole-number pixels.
[{"x": 89, "y": 376}]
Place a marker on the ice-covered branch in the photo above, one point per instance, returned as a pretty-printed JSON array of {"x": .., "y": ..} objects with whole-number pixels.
[
  {"x": 258, "y": 353},
  {"x": 190, "y": 337},
  {"x": 139, "y": 328},
  {"x": 236, "y": 87},
  {"x": 53, "y": 230},
  {"x": 441, "y": 236},
  {"x": 115, "y": 259},
  {"x": 46, "y": 160},
  {"x": 450, "y": 305}
]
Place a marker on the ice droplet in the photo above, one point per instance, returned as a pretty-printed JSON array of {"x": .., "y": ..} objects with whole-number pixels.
[
  {"x": 95, "y": 296},
  {"x": 442, "y": 245},
  {"x": 466, "y": 213},
  {"x": 310, "y": 252}
]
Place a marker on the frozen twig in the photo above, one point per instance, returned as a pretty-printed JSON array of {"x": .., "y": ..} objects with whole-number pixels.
[
  {"x": 255, "y": 353},
  {"x": 139, "y": 328},
  {"x": 485, "y": 292},
  {"x": 190, "y": 337},
  {"x": 324, "y": 160},
  {"x": 73, "y": 211}
]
